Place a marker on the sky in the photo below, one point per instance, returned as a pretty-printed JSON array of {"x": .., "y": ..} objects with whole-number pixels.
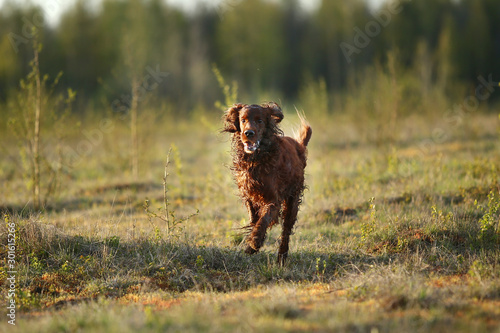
[{"x": 54, "y": 8}]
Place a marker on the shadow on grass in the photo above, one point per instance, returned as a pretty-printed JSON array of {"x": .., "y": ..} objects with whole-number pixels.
[
  {"x": 120, "y": 195},
  {"x": 55, "y": 267}
]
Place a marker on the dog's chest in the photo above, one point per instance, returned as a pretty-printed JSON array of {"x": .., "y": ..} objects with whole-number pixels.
[{"x": 254, "y": 179}]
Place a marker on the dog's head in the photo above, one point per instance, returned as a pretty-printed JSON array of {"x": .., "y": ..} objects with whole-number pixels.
[{"x": 253, "y": 123}]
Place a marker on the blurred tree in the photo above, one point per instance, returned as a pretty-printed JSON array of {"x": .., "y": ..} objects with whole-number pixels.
[
  {"x": 15, "y": 46},
  {"x": 250, "y": 45},
  {"x": 444, "y": 54},
  {"x": 492, "y": 11},
  {"x": 81, "y": 43},
  {"x": 9, "y": 68},
  {"x": 337, "y": 21},
  {"x": 474, "y": 53},
  {"x": 295, "y": 25},
  {"x": 33, "y": 105},
  {"x": 109, "y": 24},
  {"x": 200, "y": 82},
  {"x": 270, "y": 46},
  {"x": 135, "y": 49}
]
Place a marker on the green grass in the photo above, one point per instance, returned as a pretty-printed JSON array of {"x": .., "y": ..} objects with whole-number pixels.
[{"x": 424, "y": 255}]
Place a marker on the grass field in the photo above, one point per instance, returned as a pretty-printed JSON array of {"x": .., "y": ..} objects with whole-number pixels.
[{"x": 399, "y": 231}]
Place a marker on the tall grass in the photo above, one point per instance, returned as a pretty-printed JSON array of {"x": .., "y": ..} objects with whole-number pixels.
[{"x": 389, "y": 237}]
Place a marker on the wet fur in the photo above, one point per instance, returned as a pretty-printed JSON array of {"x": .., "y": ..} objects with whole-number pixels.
[{"x": 270, "y": 180}]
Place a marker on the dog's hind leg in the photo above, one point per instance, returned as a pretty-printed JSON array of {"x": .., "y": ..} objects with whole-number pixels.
[{"x": 290, "y": 212}]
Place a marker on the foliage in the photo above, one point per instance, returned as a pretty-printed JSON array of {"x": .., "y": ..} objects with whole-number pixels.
[
  {"x": 230, "y": 92},
  {"x": 426, "y": 255},
  {"x": 419, "y": 253},
  {"x": 167, "y": 215},
  {"x": 36, "y": 105},
  {"x": 490, "y": 221},
  {"x": 263, "y": 45},
  {"x": 368, "y": 228}
]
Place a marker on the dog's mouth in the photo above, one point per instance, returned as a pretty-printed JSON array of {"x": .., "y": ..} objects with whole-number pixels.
[{"x": 251, "y": 147}]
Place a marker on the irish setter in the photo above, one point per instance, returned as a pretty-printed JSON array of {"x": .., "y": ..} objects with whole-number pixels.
[{"x": 268, "y": 168}]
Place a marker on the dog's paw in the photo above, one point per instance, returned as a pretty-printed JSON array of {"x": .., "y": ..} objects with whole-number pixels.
[
  {"x": 250, "y": 250},
  {"x": 282, "y": 259}
]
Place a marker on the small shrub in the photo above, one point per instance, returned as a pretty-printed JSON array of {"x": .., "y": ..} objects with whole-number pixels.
[
  {"x": 166, "y": 214},
  {"x": 230, "y": 92},
  {"x": 490, "y": 221},
  {"x": 368, "y": 228},
  {"x": 35, "y": 105}
]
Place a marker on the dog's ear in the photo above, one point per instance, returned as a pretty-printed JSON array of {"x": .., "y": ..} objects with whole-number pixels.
[
  {"x": 231, "y": 119},
  {"x": 274, "y": 111}
]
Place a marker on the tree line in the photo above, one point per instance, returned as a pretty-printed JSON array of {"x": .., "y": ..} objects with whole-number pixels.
[{"x": 269, "y": 48}]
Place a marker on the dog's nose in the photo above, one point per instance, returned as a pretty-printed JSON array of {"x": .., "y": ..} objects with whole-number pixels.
[{"x": 249, "y": 133}]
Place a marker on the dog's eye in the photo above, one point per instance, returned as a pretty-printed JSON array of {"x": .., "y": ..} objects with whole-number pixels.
[
  {"x": 260, "y": 121},
  {"x": 243, "y": 121}
]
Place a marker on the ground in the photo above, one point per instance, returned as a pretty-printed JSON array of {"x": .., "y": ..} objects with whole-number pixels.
[{"x": 397, "y": 232}]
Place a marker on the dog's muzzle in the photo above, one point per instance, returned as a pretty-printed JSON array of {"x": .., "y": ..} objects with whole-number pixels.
[{"x": 250, "y": 147}]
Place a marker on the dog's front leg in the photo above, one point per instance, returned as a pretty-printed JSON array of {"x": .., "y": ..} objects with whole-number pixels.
[
  {"x": 253, "y": 215},
  {"x": 252, "y": 212},
  {"x": 258, "y": 234}
]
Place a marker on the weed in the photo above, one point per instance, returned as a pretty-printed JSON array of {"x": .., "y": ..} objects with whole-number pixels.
[
  {"x": 441, "y": 221},
  {"x": 314, "y": 97},
  {"x": 480, "y": 269},
  {"x": 35, "y": 264},
  {"x": 34, "y": 102},
  {"x": 395, "y": 263},
  {"x": 178, "y": 166},
  {"x": 320, "y": 268},
  {"x": 230, "y": 92},
  {"x": 368, "y": 228},
  {"x": 490, "y": 221},
  {"x": 200, "y": 262},
  {"x": 166, "y": 215},
  {"x": 392, "y": 162},
  {"x": 113, "y": 241}
]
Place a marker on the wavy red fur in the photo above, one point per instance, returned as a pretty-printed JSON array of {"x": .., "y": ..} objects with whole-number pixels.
[{"x": 269, "y": 170}]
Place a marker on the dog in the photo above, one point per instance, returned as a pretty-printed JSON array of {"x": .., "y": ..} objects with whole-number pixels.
[{"x": 268, "y": 168}]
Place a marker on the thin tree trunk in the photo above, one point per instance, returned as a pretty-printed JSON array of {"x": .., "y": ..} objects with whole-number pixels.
[
  {"x": 36, "y": 138},
  {"x": 133, "y": 128}
]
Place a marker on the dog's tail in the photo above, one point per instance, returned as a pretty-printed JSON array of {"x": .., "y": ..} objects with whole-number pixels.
[{"x": 305, "y": 130}]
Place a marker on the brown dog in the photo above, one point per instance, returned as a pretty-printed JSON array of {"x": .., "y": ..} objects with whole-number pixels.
[{"x": 268, "y": 168}]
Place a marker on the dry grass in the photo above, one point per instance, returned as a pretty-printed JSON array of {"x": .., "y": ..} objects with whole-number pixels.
[{"x": 415, "y": 259}]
